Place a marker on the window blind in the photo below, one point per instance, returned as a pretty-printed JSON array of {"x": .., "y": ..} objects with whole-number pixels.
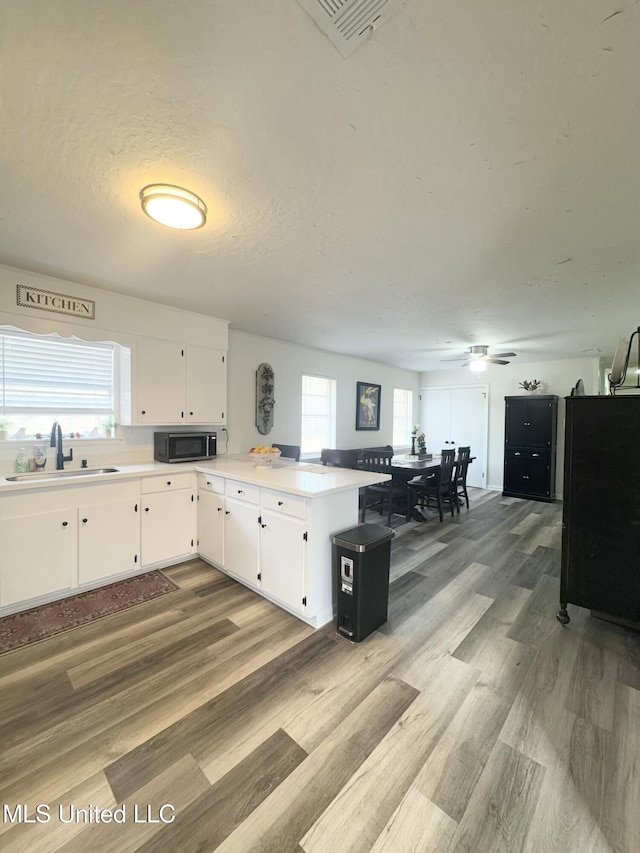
[
  {"x": 318, "y": 413},
  {"x": 39, "y": 373},
  {"x": 402, "y": 413}
]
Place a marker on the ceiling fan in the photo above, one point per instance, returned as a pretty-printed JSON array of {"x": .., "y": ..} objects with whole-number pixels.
[{"x": 479, "y": 354}]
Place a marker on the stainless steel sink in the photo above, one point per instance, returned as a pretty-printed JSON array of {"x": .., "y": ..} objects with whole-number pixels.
[{"x": 57, "y": 475}]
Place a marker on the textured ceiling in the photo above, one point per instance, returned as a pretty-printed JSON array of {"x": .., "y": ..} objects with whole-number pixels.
[{"x": 468, "y": 175}]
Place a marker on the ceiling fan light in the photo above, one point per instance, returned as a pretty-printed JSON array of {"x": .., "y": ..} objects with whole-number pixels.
[
  {"x": 477, "y": 365},
  {"x": 173, "y": 206}
]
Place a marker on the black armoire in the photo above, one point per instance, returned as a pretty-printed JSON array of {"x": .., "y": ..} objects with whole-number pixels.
[
  {"x": 530, "y": 429},
  {"x": 600, "y": 567}
]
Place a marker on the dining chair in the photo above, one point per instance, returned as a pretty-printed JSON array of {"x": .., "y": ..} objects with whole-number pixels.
[
  {"x": 439, "y": 487},
  {"x": 339, "y": 458},
  {"x": 289, "y": 451},
  {"x": 460, "y": 476},
  {"x": 394, "y": 492}
]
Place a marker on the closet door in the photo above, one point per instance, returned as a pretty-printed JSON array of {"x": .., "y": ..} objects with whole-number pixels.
[{"x": 457, "y": 417}]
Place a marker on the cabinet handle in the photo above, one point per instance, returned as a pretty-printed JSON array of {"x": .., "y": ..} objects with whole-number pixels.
[
  {"x": 208, "y": 482},
  {"x": 84, "y": 520},
  {"x": 219, "y": 509},
  {"x": 168, "y": 482},
  {"x": 280, "y": 503},
  {"x": 190, "y": 413},
  {"x": 227, "y": 512},
  {"x": 517, "y": 453},
  {"x": 263, "y": 525},
  {"x": 240, "y": 492},
  {"x": 143, "y": 412},
  {"x": 146, "y": 509},
  {"x": 535, "y": 454},
  {"x": 64, "y": 523}
]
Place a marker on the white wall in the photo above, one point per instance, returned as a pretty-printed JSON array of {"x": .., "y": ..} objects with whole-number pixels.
[
  {"x": 122, "y": 318},
  {"x": 558, "y": 377},
  {"x": 289, "y": 362}
]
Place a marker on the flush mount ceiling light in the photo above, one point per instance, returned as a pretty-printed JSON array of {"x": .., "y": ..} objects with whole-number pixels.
[{"x": 173, "y": 206}]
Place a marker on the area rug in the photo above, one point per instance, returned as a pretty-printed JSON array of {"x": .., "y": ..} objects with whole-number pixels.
[{"x": 47, "y": 620}]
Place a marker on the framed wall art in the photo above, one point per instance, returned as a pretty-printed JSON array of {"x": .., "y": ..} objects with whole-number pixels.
[{"x": 367, "y": 405}]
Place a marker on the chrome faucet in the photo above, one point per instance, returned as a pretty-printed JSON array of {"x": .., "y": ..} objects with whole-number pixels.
[{"x": 56, "y": 441}]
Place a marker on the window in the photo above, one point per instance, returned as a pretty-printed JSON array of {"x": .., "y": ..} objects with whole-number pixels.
[
  {"x": 45, "y": 378},
  {"x": 402, "y": 415},
  {"x": 318, "y": 414}
]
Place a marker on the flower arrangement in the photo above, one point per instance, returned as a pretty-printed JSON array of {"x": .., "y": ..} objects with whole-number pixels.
[
  {"x": 422, "y": 443},
  {"x": 530, "y": 385},
  {"x": 415, "y": 429}
]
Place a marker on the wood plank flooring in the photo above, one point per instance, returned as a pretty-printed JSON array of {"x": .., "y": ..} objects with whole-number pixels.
[{"x": 471, "y": 721}]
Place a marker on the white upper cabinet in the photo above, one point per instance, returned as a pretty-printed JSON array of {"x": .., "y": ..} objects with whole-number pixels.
[
  {"x": 175, "y": 383},
  {"x": 206, "y": 385}
]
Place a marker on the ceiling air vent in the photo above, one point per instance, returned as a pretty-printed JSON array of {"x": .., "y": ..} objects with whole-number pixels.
[{"x": 349, "y": 23}]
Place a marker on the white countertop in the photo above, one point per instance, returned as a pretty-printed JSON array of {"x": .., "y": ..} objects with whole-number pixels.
[{"x": 298, "y": 478}]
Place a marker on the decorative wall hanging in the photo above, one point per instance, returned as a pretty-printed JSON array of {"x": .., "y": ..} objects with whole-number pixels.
[
  {"x": 264, "y": 398},
  {"x": 367, "y": 405},
  {"x": 58, "y": 303}
]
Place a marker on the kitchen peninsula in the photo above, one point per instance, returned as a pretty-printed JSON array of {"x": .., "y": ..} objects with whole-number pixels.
[{"x": 268, "y": 528}]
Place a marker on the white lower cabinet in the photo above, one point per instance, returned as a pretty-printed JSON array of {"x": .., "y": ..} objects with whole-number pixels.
[
  {"x": 211, "y": 526},
  {"x": 210, "y": 516},
  {"x": 265, "y": 540},
  {"x": 37, "y": 555},
  {"x": 282, "y": 558},
  {"x": 58, "y": 539},
  {"x": 241, "y": 540},
  {"x": 94, "y": 535},
  {"x": 108, "y": 540},
  {"x": 167, "y": 518}
]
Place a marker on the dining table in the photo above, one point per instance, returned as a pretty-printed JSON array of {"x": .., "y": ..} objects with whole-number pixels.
[{"x": 405, "y": 467}]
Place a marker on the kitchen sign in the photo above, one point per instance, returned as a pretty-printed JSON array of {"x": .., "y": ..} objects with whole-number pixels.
[{"x": 57, "y": 303}]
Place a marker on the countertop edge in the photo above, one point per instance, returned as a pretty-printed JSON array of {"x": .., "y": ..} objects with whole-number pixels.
[{"x": 301, "y": 481}]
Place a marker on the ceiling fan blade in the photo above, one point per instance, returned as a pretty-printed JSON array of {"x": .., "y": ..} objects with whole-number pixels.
[
  {"x": 458, "y": 358},
  {"x": 464, "y": 364},
  {"x": 503, "y": 355},
  {"x": 494, "y": 360}
]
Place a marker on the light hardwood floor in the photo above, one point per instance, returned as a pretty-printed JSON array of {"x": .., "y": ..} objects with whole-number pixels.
[{"x": 471, "y": 721}]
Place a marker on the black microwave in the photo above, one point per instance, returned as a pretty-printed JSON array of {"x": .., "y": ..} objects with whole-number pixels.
[{"x": 183, "y": 446}]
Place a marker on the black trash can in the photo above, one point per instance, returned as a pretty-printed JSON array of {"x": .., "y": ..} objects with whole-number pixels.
[{"x": 361, "y": 558}]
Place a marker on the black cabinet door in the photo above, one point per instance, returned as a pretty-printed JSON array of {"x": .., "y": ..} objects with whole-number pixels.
[
  {"x": 601, "y": 506},
  {"x": 527, "y": 472},
  {"x": 530, "y": 422}
]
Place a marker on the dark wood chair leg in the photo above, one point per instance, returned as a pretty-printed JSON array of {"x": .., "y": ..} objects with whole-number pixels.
[
  {"x": 364, "y": 506},
  {"x": 439, "y": 500}
]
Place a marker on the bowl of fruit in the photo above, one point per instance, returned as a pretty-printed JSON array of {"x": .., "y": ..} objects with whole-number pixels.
[{"x": 264, "y": 457}]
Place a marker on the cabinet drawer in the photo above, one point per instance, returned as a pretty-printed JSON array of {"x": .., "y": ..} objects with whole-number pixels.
[
  {"x": 281, "y": 502},
  {"x": 167, "y": 482},
  {"x": 211, "y": 483},
  {"x": 242, "y": 491}
]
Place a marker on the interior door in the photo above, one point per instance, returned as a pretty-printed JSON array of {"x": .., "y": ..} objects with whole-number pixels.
[{"x": 457, "y": 417}]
